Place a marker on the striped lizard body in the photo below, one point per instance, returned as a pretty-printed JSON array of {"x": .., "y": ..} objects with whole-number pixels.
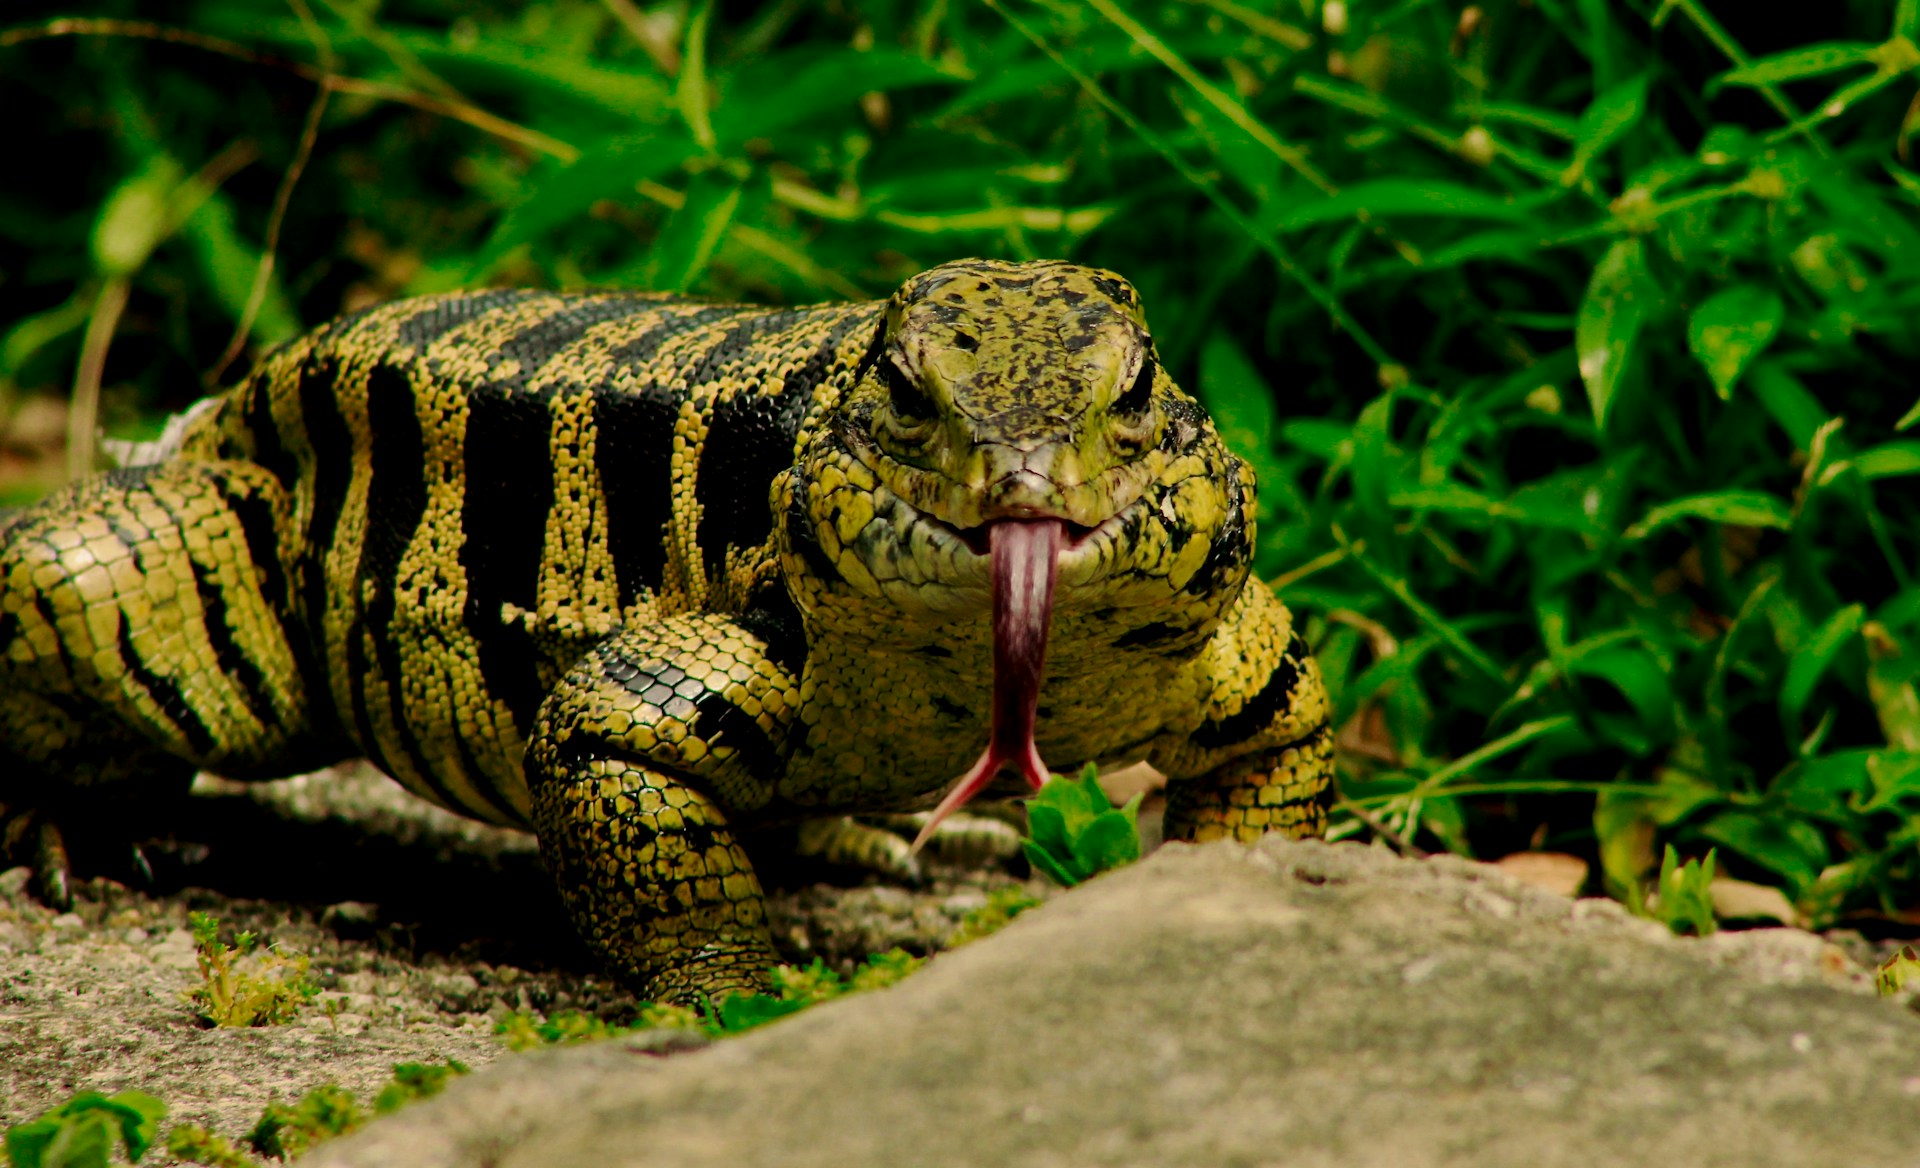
[{"x": 638, "y": 572}]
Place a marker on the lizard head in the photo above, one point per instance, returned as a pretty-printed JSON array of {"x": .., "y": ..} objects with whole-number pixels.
[{"x": 1010, "y": 443}]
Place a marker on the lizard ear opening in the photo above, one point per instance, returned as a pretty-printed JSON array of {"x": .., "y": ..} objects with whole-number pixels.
[
  {"x": 1140, "y": 392},
  {"x": 910, "y": 403}
]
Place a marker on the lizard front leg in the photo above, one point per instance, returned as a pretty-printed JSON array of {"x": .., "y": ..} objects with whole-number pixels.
[
  {"x": 637, "y": 761},
  {"x": 1261, "y": 758}
]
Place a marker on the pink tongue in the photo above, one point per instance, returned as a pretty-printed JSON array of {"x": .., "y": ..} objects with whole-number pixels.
[{"x": 1025, "y": 554}]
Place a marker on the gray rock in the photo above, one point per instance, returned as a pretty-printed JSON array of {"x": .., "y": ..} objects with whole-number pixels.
[{"x": 1301, "y": 1004}]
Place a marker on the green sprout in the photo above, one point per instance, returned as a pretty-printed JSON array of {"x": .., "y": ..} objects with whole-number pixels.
[
  {"x": 1074, "y": 832},
  {"x": 242, "y": 987}
]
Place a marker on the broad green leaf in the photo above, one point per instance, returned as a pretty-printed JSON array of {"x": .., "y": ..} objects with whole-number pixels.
[
  {"x": 738, "y": 1012},
  {"x": 1790, "y": 403},
  {"x": 1743, "y": 508},
  {"x": 1642, "y": 681},
  {"x": 1888, "y": 460},
  {"x": 691, "y": 94},
  {"x": 1047, "y": 824},
  {"x": 1389, "y": 198},
  {"x": 1796, "y": 64},
  {"x": 1732, "y": 328},
  {"x": 1894, "y": 775},
  {"x": 1108, "y": 842},
  {"x": 1790, "y": 847},
  {"x": 692, "y": 234},
  {"x": 1813, "y": 658},
  {"x": 779, "y": 90},
  {"x": 558, "y": 193},
  {"x": 1243, "y": 409},
  {"x": 1047, "y": 865},
  {"x": 1615, "y": 307},
  {"x": 1605, "y": 121}
]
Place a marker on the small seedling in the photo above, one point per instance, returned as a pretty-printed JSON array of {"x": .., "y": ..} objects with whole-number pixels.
[
  {"x": 1686, "y": 897},
  {"x": 415, "y": 1081},
  {"x": 192, "y": 1144},
  {"x": 242, "y": 987},
  {"x": 83, "y": 1131},
  {"x": 1075, "y": 832},
  {"x": 286, "y": 1131}
]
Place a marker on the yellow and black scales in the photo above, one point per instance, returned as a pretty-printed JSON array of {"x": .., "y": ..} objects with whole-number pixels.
[{"x": 637, "y": 572}]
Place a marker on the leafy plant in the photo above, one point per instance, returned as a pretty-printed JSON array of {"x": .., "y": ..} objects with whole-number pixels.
[
  {"x": 83, "y": 1131},
  {"x": 1685, "y": 902},
  {"x": 241, "y": 985},
  {"x": 1075, "y": 832}
]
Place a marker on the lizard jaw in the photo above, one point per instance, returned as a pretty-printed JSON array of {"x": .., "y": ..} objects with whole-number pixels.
[{"x": 1025, "y": 554}]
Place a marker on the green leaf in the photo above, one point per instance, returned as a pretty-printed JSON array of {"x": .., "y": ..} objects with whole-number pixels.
[
  {"x": 1796, "y": 64},
  {"x": 1605, "y": 121},
  {"x": 1045, "y": 863},
  {"x": 1047, "y": 826},
  {"x": 1740, "y": 507},
  {"x": 780, "y": 90},
  {"x": 1889, "y": 460},
  {"x": 1389, "y": 198},
  {"x": 1243, "y": 409},
  {"x": 1732, "y": 328},
  {"x": 1686, "y": 896},
  {"x": 1616, "y": 305},
  {"x": 1108, "y": 842},
  {"x": 558, "y": 193},
  {"x": 1811, "y": 660},
  {"x": 693, "y": 233},
  {"x": 1789, "y": 847}
]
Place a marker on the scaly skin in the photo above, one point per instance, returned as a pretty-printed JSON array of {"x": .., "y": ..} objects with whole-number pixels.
[{"x": 640, "y": 572}]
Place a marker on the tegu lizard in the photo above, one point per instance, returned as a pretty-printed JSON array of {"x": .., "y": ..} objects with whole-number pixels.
[{"x": 641, "y": 572}]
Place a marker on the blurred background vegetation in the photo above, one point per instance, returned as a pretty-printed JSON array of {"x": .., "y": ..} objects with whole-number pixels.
[{"x": 1574, "y": 341}]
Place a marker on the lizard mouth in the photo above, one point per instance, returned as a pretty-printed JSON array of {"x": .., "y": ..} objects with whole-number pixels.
[{"x": 1025, "y": 555}]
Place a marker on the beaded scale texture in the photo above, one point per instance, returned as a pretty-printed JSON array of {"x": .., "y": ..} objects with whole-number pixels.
[{"x": 640, "y": 572}]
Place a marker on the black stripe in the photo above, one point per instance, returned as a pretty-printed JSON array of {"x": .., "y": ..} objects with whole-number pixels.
[
  {"x": 396, "y": 501},
  {"x": 750, "y": 440},
  {"x": 480, "y": 781},
  {"x": 633, "y": 451},
  {"x": 332, "y": 445},
  {"x": 720, "y": 722},
  {"x": 268, "y": 450},
  {"x": 440, "y": 315},
  {"x": 509, "y": 491},
  {"x": 227, "y": 654},
  {"x": 532, "y": 347},
  {"x": 254, "y": 512},
  {"x": 1261, "y": 709},
  {"x": 166, "y": 694}
]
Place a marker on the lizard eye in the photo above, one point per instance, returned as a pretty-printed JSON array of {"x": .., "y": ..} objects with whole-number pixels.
[
  {"x": 908, "y": 400},
  {"x": 1135, "y": 399}
]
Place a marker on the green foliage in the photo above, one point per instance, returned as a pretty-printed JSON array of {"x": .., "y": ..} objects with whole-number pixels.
[
  {"x": 192, "y": 1144},
  {"x": 795, "y": 987},
  {"x": 1572, "y": 344},
  {"x": 415, "y": 1081},
  {"x": 287, "y": 1130},
  {"x": 1074, "y": 832},
  {"x": 84, "y": 1131},
  {"x": 1686, "y": 895},
  {"x": 241, "y": 985},
  {"x": 1003, "y": 904}
]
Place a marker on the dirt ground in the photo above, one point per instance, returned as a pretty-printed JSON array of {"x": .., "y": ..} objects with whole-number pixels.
[{"x": 423, "y": 930}]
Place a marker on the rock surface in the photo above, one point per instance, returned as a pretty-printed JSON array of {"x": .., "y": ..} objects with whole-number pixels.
[{"x": 1299, "y": 1004}]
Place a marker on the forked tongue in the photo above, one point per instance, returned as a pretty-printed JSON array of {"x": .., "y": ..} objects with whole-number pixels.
[{"x": 1025, "y": 554}]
